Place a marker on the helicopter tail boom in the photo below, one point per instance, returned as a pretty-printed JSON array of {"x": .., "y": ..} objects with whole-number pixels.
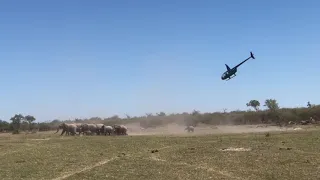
[{"x": 251, "y": 56}]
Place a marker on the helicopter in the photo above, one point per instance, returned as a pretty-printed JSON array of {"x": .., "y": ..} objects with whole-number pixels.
[{"x": 231, "y": 73}]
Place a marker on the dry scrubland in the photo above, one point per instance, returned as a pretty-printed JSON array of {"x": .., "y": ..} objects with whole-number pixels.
[
  {"x": 286, "y": 154},
  {"x": 272, "y": 115}
]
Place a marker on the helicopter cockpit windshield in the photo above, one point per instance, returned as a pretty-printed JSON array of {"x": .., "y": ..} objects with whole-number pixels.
[{"x": 224, "y": 75}]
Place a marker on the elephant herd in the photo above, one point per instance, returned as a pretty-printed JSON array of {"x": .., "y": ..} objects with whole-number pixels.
[{"x": 91, "y": 129}]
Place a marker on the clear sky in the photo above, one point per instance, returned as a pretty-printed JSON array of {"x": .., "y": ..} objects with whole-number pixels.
[{"x": 78, "y": 58}]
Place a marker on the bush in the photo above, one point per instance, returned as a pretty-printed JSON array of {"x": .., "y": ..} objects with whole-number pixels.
[{"x": 16, "y": 131}]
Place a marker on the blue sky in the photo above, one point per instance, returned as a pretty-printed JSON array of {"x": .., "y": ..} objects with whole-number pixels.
[{"x": 76, "y": 58}]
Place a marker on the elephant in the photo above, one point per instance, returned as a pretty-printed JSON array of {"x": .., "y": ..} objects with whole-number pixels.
[
  {"x": 189, "y": 128},
  {"x": 88, "y": 132},
  {"x": 100, "y": 128},
  {"x": 304, "y": 122},
  {"x": 108, "y": 130},
  {"x": 120, "y": 130},
  {"x": 78, "y": 129},
  {"x": 68, "y": 128},
  {"x": 89, "y": 127}
]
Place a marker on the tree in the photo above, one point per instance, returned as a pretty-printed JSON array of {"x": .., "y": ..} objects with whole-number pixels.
[
  {"x": 271, "y": 104},
  {"x": 149, "y": 115},
  {"x": 77, "y": 120},
  {"x": 161, "y": 114},
  {"x": 115, "y": 117},
  {"x": 128, "y": 116},
  {"x": 225, "y": 110},
  {"x": 195, "y": 112},
  {"x": 310, "y": 105},
  {"x": 55, "y": 121},
  {"x": 29, "y": 119},
  {"x": 95, "y": 119},
  {"x": 4, "y": 125},
  {"x": 254, "y": 103},
  {"x": 24, "y": 126},
  {"x": 16, "y": 122}
]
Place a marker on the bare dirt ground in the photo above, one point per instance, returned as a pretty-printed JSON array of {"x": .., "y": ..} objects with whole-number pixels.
[
  {"x": 134, "y": 129},
  {"x": 202, "y": 129}
]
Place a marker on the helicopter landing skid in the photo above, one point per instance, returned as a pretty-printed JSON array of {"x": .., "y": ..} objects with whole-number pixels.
[{"x": 231, "y": 77}]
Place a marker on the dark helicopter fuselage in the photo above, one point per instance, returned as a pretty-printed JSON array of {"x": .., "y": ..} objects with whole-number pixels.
[
  {"x": 228, "y": 73},
  {"x": 231, "y": 72}
]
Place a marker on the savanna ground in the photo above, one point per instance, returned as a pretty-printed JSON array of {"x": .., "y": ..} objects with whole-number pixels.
[{"x": 167, "y": 153}]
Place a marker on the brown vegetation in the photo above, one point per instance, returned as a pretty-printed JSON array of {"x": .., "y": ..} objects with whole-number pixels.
[{"x": 273, "y": 115}]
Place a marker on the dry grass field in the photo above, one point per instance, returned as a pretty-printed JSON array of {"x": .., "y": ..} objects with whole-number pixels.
[{"x": 291, "y": 155}]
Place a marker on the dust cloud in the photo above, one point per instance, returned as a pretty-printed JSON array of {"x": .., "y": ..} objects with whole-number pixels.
[{"x": 202, "y": 129}]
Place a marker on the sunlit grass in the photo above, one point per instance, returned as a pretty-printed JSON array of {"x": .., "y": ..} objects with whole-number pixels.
[{"x": 290, "y": 155}]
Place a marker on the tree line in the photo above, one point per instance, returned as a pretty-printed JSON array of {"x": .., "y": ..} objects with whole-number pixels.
[
  {"x": 273, "y": 114},
  {"x": 18, "y": 122}
]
